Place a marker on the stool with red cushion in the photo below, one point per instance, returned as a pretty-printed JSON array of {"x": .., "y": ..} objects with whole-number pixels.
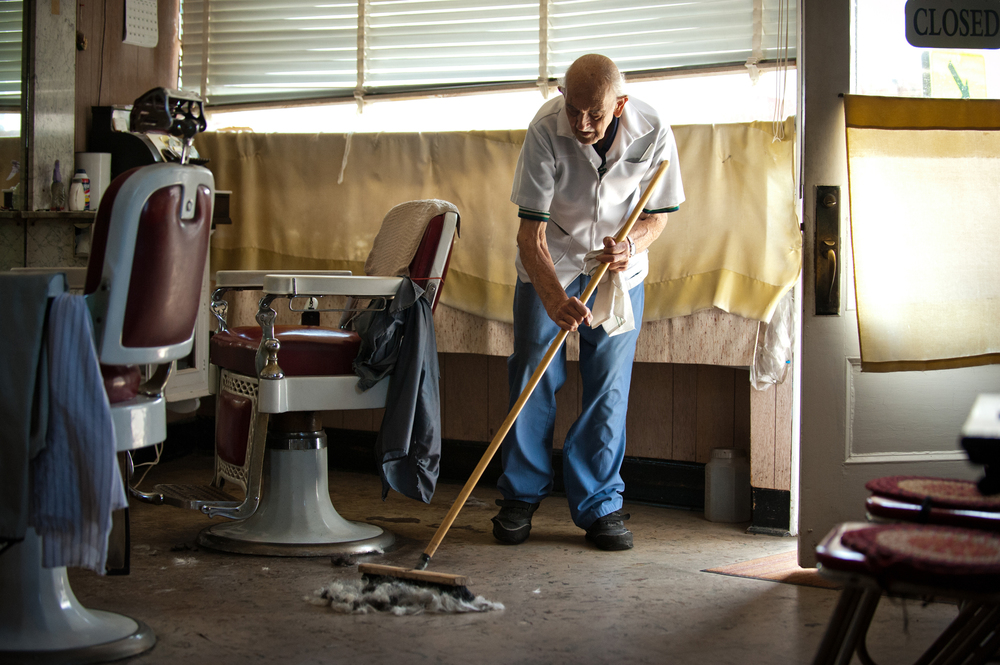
[
  {"x": 269, "y": 435},
  {"x": 930, "y": 500},
  {"x": 917, "y": 561},
  {"x": 143, "y": 287}
]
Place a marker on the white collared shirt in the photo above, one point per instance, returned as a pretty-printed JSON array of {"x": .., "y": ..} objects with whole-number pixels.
[{"x": 557, "y": 181}]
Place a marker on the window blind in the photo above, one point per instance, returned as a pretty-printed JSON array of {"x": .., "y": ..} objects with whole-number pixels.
[
  {"x": 237, "y": 51},
  {"x": 651, "y": 34},
  {"x": 449, "y": 42},
  {"x": 255, "y": 50},
  {"x": 10, "y": 53}
]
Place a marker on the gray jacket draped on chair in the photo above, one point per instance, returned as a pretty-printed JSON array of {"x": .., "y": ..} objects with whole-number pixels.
[{"x": 399, "y": 341}]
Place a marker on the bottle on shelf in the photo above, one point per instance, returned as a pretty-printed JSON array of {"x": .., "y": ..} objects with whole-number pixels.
[
  {"x": 79, "y": 191},
  {"x": 57, "y": 190}
]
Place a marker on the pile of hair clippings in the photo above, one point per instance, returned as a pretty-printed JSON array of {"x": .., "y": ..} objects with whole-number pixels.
[{"x": 396, "y": 597}]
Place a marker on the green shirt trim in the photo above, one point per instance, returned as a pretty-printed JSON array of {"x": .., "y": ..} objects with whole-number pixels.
[{"x": 532, "y": 215}]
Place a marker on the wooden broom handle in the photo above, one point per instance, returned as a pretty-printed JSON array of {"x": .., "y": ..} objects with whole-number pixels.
[{"x": 508, "y": 422}]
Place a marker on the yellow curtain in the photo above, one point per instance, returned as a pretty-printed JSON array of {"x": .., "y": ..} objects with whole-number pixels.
[
  {"x": 924, "y": 181},
  {"x": 316, "y": 201}
]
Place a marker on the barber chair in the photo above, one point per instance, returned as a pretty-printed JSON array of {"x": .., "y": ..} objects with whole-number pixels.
[
  {"x": 143, "y": 287},
  {"x": 912, "y": 561},
  {"x": 273, "y": 382}
]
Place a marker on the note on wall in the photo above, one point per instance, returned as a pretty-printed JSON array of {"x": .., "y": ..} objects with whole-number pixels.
[{"x": 140, "y": 23}]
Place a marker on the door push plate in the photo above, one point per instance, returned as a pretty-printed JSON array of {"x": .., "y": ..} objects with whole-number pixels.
[{"x": 827, "y": 251}]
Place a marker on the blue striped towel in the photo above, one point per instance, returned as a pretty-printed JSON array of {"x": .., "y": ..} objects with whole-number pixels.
[{"x": 76, "y": 481}]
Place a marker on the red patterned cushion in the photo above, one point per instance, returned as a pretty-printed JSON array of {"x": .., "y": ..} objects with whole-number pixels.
[
  {"x": 947, "y": 556},
  {"x": 942, "y": 492}
]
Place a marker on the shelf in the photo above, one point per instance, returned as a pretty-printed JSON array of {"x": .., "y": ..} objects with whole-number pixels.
[{"x": 74, "y": 216}]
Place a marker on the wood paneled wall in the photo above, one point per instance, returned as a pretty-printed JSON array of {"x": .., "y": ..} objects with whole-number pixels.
[
  {"x": 771, "y": 436},
  {"x": 676, "y": 412},
  {"x": 110, "y": 72}
]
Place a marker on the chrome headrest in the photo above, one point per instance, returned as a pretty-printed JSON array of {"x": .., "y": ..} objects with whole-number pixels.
[{"x": 175, "y": 112}]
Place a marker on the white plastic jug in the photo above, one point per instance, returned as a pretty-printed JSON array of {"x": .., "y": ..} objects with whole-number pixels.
[{"x": 727, "y": 486}]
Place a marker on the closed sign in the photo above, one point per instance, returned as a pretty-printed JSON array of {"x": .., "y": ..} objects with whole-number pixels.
[{"x": 970, "y": 24}]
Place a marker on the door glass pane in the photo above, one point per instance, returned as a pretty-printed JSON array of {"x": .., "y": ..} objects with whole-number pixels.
[{"x": 886, "y": 64}]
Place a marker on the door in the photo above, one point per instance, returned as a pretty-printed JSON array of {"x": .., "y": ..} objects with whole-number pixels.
[{"x": 857, "y": 426}]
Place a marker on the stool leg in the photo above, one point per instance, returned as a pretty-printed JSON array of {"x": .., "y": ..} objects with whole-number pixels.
[
  {"x": 956, "y": 631},
  {"x": 989, "y": 649},
  {"x": 836, "y": 630},
  {"x": 858, "y": 630},
  {"x": 861, "y": 643},
  {"x": 970, "y": 638}
]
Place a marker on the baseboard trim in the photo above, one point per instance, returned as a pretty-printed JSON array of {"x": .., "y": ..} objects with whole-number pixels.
[
  {"x": 768, "y": 531},
  {"x": 658, "y": 482},
  {"x": 771, "y": 510}
]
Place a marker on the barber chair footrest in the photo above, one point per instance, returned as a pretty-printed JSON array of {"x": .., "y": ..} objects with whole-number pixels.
[{"x": 193, "y": 497}]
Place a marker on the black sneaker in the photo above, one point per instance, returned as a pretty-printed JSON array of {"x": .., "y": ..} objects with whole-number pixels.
[
  {"x": 609, "y": 532},
  {"x": 513, "y": 523}
]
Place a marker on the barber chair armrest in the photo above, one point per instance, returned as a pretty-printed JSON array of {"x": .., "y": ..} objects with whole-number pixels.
[
  {"x": 304, "y": 285},
  {"x": 250, "y": 280},
  {"x": 254, "y": 279}
]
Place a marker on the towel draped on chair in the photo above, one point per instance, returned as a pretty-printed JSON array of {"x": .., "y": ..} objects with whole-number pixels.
[
  {"x": 23, "y": 395},
  {"x": 76, "y": 482}
]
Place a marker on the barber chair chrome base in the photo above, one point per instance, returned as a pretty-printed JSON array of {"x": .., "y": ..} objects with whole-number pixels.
[
  {"x": 41, "y": 621},
  {"x": 295, "y": 516}
]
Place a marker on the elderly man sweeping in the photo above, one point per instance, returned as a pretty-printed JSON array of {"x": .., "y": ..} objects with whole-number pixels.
[{"x": 587, "y": 157}]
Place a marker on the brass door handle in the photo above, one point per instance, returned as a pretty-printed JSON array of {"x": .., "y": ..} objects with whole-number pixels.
[
  {"x": 831, "y": 257},
  {"x": 827, "y": 247}
]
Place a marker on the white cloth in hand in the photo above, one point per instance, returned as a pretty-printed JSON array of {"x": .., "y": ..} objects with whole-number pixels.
[{"x": 613, "y": 307}]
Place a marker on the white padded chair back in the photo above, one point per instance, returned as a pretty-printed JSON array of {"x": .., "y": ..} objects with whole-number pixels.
[{"x": 147, "y": 262}]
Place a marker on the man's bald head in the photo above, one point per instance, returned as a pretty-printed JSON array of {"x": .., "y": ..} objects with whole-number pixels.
[
  {"x": 594, "y": 73},
  {"x": 594, "y": 92}
]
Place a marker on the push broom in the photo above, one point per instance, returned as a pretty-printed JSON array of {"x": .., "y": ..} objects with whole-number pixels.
[{"x": 456, "y": 584}]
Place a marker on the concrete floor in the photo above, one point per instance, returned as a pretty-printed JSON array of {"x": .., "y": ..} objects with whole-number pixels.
[{"x": 566, "y": 602}]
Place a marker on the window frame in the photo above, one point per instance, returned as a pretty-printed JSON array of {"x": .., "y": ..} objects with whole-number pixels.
[{"x": 773, "y": 32}]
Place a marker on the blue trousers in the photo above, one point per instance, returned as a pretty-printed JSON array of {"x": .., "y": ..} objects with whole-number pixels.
[{"x": 595, "y": 444}]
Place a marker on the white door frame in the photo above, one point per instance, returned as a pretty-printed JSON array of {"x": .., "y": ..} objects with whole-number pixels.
[{"x": 854, "y": 426}]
